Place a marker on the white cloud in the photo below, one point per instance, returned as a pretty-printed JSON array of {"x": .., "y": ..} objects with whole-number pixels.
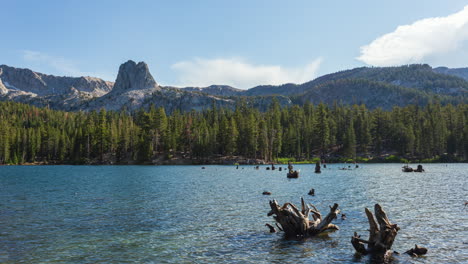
[
  {"x": 239, "y": 73},
  {"x": 432, "y": 40},
  {"x": 60, "y": 65}
]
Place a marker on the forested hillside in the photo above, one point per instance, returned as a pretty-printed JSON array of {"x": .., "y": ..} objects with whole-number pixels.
[
  {"x": 30, "y": 134},
  {"x": 419, "y": 76},
  {"x": 377, "y": 94}
]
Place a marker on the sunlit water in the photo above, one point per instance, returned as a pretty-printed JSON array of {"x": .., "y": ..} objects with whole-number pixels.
[{"x": 183, "y": 214}]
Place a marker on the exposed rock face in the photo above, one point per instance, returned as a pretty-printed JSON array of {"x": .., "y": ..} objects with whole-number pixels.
[
  {"x": 27, "y": 81},
  {"x": 133, "y": 85},
  {"x": 3, "y": 89},
  {"x": 134, "y": 76},
  {"x": 284, "y": 89},
  {"x": 220, "y": 90}
]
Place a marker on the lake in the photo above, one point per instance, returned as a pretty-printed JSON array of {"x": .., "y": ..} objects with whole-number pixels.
[{"x": 185, "y": 214}]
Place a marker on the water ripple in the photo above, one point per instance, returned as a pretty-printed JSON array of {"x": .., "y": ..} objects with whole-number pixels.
[{"x": 182, "y": 214}]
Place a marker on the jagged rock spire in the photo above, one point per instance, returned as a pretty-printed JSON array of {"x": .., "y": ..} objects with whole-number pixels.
[{"x": 133, "y": 76}]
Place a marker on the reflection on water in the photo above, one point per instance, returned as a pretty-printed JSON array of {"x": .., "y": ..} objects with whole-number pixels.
[{"x": 183, "y": 214}]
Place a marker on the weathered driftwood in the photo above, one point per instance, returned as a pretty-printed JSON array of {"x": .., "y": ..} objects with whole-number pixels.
[
  {"x": 293, "y": 174},
  {"x": 382, "y": 233},
  {"x": 407, "y": 168},
  {"x": 296, "y": 223},
  {"x": 272, "y": 228}
]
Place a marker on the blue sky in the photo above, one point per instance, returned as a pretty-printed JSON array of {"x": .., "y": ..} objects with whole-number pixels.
[{"x": 241, "y": 43}]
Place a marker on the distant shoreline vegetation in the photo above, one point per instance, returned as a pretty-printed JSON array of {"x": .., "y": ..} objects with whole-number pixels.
[{"x": 302, "y": 134}]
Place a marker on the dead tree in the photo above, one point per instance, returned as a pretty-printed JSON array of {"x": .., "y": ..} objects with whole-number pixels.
[
  {"x": 381, "y": 235},
  {"x": 296, "y": 223}
]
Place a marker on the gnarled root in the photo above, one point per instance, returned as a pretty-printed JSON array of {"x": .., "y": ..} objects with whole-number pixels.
[
  {"x": 296, "y": 223},
  {"x": 382, "y": 233}
]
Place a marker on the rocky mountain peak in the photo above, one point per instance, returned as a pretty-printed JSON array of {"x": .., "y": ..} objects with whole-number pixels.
[
  {"x": 27, "y": 81},
  {"x": 133, "y": 76}
]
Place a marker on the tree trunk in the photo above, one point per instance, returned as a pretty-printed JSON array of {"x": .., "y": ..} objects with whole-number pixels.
[
  {"x": 296, "y": 223},
  {"x": 381, "y": 235}
]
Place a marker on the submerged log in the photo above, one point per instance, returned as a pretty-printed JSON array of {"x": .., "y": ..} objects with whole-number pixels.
[
  {"x": 296, "y": 223},
  {"x": 417, "y": 251},
  {"x": 382, "y": 233}
]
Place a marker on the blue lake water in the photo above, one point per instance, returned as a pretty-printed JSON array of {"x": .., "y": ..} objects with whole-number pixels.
[{"x": 183, "y": 214}]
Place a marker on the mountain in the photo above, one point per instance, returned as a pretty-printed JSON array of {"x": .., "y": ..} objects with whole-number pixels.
[
  {"x": 417, "y": 76},
  {"x": 27, "y": 86},
  {"x": 34, "y": 83},
  {"x": 135, "y": 88},
  {"x": 438, "y": 81},
  {"x": 371, "y": 93},
  {"x": 133, "y": 84},
  {"x": 420, "y": 77}
]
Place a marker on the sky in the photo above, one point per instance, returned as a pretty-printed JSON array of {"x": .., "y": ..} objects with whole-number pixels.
[{"x": 238, "y": 43}]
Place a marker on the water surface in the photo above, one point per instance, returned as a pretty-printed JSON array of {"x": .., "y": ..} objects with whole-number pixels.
[{"x": 183, "y": 214}]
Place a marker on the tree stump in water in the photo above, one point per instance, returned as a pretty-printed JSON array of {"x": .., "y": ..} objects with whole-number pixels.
[
  {"x": 419, "y": 169},
  {"x": 317, "y": 167},
  {"x": 296, "y": 223},
  {"x": 381, "y": 235}
]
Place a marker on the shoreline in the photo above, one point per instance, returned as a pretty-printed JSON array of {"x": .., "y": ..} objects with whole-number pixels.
[{"x": 252, "y": 162}]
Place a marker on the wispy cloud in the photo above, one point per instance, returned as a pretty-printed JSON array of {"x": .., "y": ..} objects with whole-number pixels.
[
  {"x": 436, "y": 39},
  {"x": 60, "y": 65},
  {"x": 239, "y": 73}
]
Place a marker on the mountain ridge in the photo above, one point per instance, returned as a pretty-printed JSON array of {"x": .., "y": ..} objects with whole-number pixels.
[{"x": 136, "y": 87}]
